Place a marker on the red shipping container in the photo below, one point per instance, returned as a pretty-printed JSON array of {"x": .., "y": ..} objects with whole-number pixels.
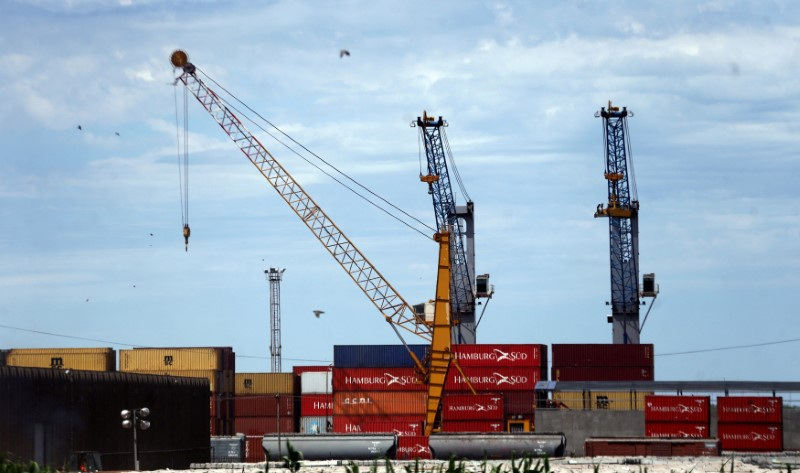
[
  {"x": 677, "y": 409},
  {"x": 493, "y": 379},
  {"x": 750, "y": 437},
  {"x": 263, "y": 406},
  {"x": 315, "y": 405},
  {"x": 356, "y": 424},
  {"x": 473, "y": 426},
  {"x": 677, "y": 430},
  {"x": 472, "y": 407},
  {"x": 379, "y": 403},
  {"x": 254, "y": 449},
  {"x": 495, "y": 355},
  {"x": 750, "y": 409},
  {"x": 600, "y": 354},
  {"x": 611, "y": 373},
  {"x": 376, "y": 379},
  {"x": 519, "y": 403},
  {"x": 262, "y": 425},
  {"x": 410, "y": 448}
]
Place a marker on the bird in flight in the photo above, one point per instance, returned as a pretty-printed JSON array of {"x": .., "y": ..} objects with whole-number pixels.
[
  {"x": 343, "y": 53},
  {"x": 80, "y": 127},
  {"x": 116, "y": 133},
  {"x": 317, "y": 313}
]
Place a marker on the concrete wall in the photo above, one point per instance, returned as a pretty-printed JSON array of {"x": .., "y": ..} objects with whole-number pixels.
[{"x": 578, "y": 425}]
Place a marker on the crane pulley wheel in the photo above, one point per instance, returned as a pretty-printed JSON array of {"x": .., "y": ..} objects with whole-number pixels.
[{"x": 179, "y": 58}]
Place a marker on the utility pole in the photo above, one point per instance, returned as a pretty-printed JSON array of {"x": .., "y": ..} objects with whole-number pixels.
[{"x": 274, "y": 277}]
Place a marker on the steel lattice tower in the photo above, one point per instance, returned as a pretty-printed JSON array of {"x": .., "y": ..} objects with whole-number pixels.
[
  {"x": 623, "y": 215},
  {"x": 274, "y": 277}
]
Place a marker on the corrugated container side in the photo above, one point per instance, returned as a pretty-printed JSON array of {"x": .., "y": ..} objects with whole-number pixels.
[
  {"x": 618, "y": 400},
  {"x": 45, "y": 351},
  {"x": 263, "y": 425},
  {"x": 265, "y": 383},
  {"x": 254, "y": 451},
  {"x": 698, "y": 430},
  {"x": 379, "y": 403},
  {"x": 215, "y": 378},
  {"x": 494, "y": 355},
  {"x": 316, "y": 382},
  {"x": 376, "y": 356},
  {"x": 376, "y": 379},
  {"x": 265, "y": 405},
  {"x": 750, "y": 409},
  {"x": 313, "y": 405},
  {"x": 365, "y": 425},
  {"x": 677, "y": 408},
  {"x": 152, "y": 359},
  {"x": 599, "y": 373},
  {"x": 473, "y": 426},
  {"x": 316, "y": 424},
  {"x": 750, "y": 437},
  {"x": 410, "y": 448},
  {"x": 494, "y": 379},
  {"x": 519, "y": 402},
  {"x": 95, "y": 361},
  {"x": 599, "y": 354},
  {"x": 472, "y": 407}
]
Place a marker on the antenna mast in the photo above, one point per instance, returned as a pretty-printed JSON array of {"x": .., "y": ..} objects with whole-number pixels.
[{"x": 274, "y": 277}]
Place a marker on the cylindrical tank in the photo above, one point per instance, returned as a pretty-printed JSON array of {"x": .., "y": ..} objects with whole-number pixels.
[{"x": 497, "y": 445}]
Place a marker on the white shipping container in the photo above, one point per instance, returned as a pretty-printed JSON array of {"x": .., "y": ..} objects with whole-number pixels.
[
  {"x": 315, "y": 425},
  {"x": 316, "y": 382}
]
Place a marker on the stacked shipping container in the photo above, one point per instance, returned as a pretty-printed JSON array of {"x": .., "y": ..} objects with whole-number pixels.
[
  {"x": 677, "y": 416},
  {"x": 86, "y": 359},
  {"x": 376, "y": 390},
  {"x": 750, "y": 423},
  {"x": 316, "y": 401},
  {"x": 217, "y": 364},
  {"x": 602, "y": 362},
  {"x": 506, "y": 371},
  {"x": 264, "y": 404}
]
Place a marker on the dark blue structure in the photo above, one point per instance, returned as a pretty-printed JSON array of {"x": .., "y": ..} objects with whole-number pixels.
[
  {"x": 449, "y": 216},
  {"x": 622, "y": 211}
]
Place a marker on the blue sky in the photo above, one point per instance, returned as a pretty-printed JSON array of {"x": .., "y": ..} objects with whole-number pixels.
[{"x": 713, "y": 86}]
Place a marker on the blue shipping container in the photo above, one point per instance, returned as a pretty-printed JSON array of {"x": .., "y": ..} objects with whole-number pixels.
[{"x": 376, "y": 356}]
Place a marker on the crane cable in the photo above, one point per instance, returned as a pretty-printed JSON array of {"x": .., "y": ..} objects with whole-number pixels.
[
  {"x": 183, "y": 162},
  {"x": 463, "y": 189},
  {"x": 387, "y": 212}
]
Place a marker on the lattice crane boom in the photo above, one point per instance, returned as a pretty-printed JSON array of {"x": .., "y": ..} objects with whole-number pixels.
[{"x": 386, "y": 299}]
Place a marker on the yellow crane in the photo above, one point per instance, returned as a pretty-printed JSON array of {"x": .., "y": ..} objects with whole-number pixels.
[{"x": 399, "y": 313}]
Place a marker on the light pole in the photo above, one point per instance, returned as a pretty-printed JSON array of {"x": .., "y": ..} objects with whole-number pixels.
[{"x": 133, "y": 420}]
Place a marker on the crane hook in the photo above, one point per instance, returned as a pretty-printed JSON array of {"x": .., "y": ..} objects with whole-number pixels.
[{"x": 186, "y": 233}]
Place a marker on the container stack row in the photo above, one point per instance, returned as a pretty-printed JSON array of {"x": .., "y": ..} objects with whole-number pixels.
[
  {"x": 750, "y": 423},
  {"x": 375, "y": 389},
  {"x": 264, "y": 404},
  {"x": 217, "y": 364},
  {"x": 677, "y": 417},
  {"x": 602, "y": 362},
  {"x": 316, "y": 399}
]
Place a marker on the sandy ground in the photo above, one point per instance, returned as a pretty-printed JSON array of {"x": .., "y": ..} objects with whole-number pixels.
[{"x": 739, "y": 464}]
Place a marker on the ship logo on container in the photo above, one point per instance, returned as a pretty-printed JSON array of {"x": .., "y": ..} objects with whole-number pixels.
[
  {"x": 510, "y": 356},
  {"x": 56, "y": 362},
  {"x": 168, "y": 360},
  {"x": 357, "y": 400},
  {"x": 401, "y": 380},
  {"x": 510, "y": 380}
]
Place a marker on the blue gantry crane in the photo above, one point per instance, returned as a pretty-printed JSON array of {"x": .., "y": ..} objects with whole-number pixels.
[
  {"x": 622, "y": 211},
  {"x": 465, "y": 286}
]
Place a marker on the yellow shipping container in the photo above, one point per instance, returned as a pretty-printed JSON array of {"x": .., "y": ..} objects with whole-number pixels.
[
  {"x": 215, "y": 378},
  {"x": 43, "y": 351},
  {"x": 199, "y": 358},
  {"x": 265, "y": 383},
  {"x": 611, "y": 400},
  {"x": 73, "y": 359}
]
